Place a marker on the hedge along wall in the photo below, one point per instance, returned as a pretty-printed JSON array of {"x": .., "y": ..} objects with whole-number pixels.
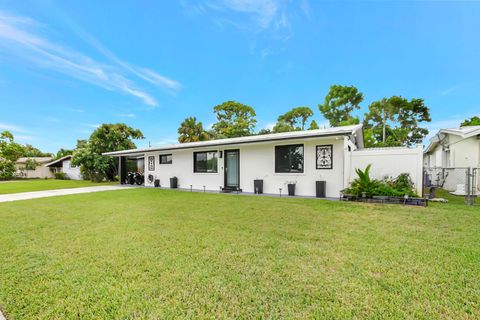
[{"x": 387, "y": 162}]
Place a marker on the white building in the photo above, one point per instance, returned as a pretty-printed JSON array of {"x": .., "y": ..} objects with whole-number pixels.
[
  {"x": 454, "y": 148},
  {"x": 299, "y": 157},
  {"x": 64, "y": 165}
]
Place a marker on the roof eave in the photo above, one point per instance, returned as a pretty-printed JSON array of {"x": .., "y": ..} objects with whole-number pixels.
[{"x": 132, "y": 152}]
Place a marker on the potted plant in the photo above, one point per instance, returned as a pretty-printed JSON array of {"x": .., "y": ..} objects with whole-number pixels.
[{"x": 291, "y": 187}]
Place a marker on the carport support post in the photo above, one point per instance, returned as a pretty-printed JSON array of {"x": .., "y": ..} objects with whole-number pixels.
[{"x": 122, "y": 169}]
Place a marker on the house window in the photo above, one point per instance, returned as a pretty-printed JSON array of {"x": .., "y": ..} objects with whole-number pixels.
[
  {"x": 289, "y": 159},
  {"x": 165, "y": 159},
  {"x": 205, "y": 161},
  {"x": 151, "y": 163},
  {"x": 325, "y": 157}
]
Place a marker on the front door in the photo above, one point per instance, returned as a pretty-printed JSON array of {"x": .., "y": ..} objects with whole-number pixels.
[{"x": 232, "y": 169}]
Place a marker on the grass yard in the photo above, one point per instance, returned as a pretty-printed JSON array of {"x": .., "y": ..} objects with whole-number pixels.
[
  {"x": 17, "y": 186},
  {"x": 149, "y": 254}
]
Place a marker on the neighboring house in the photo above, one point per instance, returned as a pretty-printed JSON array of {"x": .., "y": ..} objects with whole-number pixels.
[
  {"x": 64, "y": 165},
  {"x": 300, "y": 157},
  {"x": 24, "y": 168},
  {"x": 454, "y": 148}
]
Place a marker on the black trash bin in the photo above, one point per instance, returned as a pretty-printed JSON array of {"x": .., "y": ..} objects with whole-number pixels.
[
  {"x": 156, "y": 183},
  {"x": 258, "y": 186},
  {"x": 174, "y": 183},
  {"x": 291, "y": 189},
  {"x": 321, "y": 187}
]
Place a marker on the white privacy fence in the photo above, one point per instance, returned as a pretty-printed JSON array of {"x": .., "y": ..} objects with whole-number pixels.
[{"x": 387, "y": 162}]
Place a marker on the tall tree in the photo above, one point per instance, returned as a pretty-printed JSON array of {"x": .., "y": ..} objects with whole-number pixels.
[
  {"x": 313, "y": 125},
  {"x": 395, "y": 122},
  {"x": 293, "y": 120},
  {"x": 107, "y": 137},
  {"x": 473, "y": 121},
  {"x": 191, "y": 131},
  {"x": 297, "y": 117},
  {"x": 63, "y": 152},
  {"x": 339, "y": 104},
  {"x": 10, "y": 151},
  {"x": 31, "y": 151},
  {"x": 234, "y": 119}
]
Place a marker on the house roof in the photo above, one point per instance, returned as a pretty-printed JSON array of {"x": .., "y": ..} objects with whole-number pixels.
[
  {"x": 58, "y": 162},
  {"x": 37, "y": 159},
  {"x": 335, "y": 131},
  {"x": 463, "y": 132}
]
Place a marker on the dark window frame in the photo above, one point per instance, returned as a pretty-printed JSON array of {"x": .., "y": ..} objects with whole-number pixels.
[
  {"x": 195, "y": 169},
  {"x": 277, "y": 169},
  {"x": 160, "y": 157},
  {"x": 330, "y": 146}
]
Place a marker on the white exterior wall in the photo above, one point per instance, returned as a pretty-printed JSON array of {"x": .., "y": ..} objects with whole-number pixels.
[
  {"x": 466, "y": 153},
  {"x": 257, "y": 161},
  {"x": 389, "y": 162},
  {"x": 463, "y": 153},
  {"x": 73, "y": 173}
]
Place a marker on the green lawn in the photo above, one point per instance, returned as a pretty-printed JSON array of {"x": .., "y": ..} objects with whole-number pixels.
[
  {"x": 149, "y": 254},
  {"x": 17, "y": 186}
]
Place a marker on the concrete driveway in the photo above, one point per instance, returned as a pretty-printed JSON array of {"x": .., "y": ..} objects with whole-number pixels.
[{"x": 58, "y": 192}]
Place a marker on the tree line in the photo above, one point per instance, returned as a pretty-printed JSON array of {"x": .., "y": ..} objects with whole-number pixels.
[{"x": 391, "y": 121}]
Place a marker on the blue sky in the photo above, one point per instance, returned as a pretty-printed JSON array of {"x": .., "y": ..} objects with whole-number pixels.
[{"x": 67, "y": 66}]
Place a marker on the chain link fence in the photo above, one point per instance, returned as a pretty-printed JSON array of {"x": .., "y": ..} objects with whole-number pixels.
[
  {"x": 473, "y": 187},
  {"x": 463, "y": 182}
]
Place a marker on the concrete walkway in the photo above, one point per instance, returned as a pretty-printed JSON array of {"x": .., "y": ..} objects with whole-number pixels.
[{"x": 58, "y": 192}]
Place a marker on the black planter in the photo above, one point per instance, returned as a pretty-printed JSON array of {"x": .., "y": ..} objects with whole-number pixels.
[
  {"x": 174, "y": 183},
  {"x": 291, "y": 189},
  {"x": 156, "y": 183},
  {"x": 258, "y": 186},
  {"x": 321, "y": 187}
]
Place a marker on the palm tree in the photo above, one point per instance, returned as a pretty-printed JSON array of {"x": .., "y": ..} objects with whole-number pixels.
[{"x": 190, "y": 131}]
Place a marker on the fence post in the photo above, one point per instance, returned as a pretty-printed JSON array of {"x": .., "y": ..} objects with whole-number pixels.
[{"x": 467, "y": 185}]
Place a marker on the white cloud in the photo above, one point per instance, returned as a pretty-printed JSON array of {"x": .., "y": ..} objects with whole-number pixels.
[
  {"x": 450, "y": 90},
  {"x": 20, "y": 37},
  {"x": 269, "y": 125},
  {"x": 93, "y": 125},
  {"x": 126, "y": 115},
  {"x": 267, "y": 19},
  {"x": 12, "y": 127},
  {"x": 25, "y": 138}
]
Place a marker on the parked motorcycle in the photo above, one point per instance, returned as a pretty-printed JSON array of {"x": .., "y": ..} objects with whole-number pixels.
[
  {"x": 135, "y": 178},
  {"x": 139, "y": 178}
]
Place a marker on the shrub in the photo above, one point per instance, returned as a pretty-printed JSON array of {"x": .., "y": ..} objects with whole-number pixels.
[
  {"x": 61, "y": 176},
  {"x": 7, "y": 169},
  {"x": 364, "y": 184}
]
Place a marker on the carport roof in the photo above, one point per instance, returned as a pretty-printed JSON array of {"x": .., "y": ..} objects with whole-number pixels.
[{"x": 355, "y": 130}]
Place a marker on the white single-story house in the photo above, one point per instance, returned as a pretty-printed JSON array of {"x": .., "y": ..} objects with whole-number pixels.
[
  {"x": 300, "y": 157},
  {"x": 64, "y": 164},
  {"x": 454, "y": 148},
  {"x": 33, "y": 167},
  {"x": 448, "y": 157}
]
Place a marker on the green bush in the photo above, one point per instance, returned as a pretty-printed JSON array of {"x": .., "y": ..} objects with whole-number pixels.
[
  {"x": 61, "y": 176},
  {"x": 364, "y": 184}
]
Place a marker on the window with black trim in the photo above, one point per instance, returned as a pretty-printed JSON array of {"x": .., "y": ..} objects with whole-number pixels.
[
  {"x": 325, "y": 157},
  {"x": 205, "y": 161},
  {"x": 289, "y": 159},
  {"x": 165, "y": 159}
]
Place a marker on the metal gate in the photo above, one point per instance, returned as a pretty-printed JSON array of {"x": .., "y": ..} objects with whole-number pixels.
[{"x": 472, "y": 196}]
